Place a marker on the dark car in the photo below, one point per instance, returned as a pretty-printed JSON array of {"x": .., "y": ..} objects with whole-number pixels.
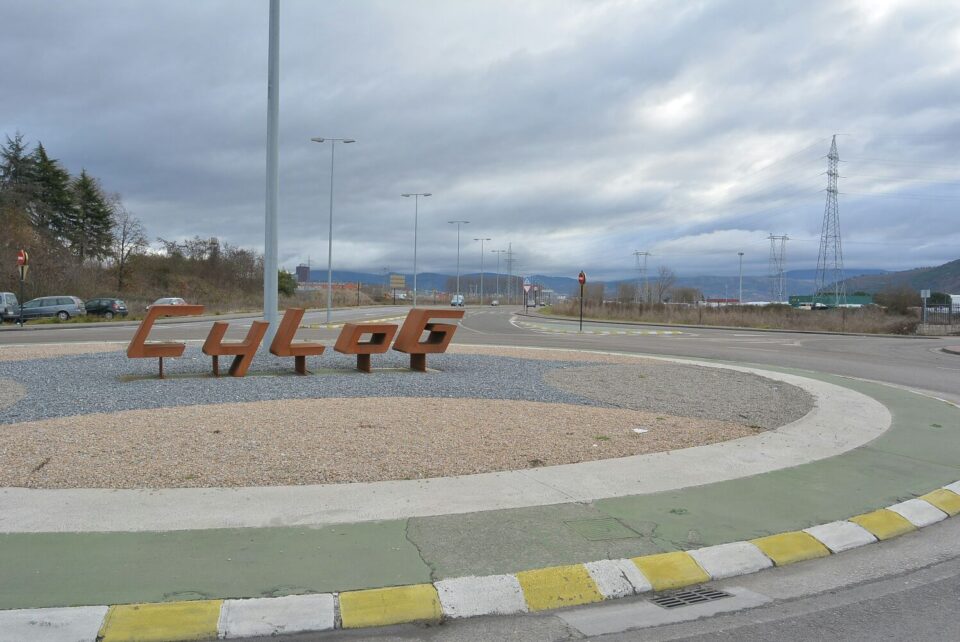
[
  {"x": 9, "y": 307},
  {"x": 62, "y": 307},
  {"x": 106, "y": 308}
]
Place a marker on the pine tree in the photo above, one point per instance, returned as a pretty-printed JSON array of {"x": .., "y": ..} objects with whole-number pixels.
[
  {"x": 53, "y": 207},
  {"x": 16, "y": 172},
  {"x": 90, "y": 226}
]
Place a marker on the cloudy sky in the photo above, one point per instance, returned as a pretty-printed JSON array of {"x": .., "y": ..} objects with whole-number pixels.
[{"x": 579, "y": 131}]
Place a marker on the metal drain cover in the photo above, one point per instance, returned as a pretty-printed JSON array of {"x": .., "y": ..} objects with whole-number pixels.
[{"x": 688, "y": 597}]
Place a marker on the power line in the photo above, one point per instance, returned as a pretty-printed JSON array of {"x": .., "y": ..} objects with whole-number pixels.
[{"x": 830, "y": 257}]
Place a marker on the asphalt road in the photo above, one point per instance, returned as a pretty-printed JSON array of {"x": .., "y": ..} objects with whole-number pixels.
[{"x": 908, "y": 588}]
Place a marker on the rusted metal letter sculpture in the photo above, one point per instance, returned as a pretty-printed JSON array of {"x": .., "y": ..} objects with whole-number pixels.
[
  {"x": 379, "y": 342},
  {"x": 243, "y": 351},
  {"x": 408, "y": 340},
  {"x": 283, "y": 345},
  {"x": 139, "y": 348}
]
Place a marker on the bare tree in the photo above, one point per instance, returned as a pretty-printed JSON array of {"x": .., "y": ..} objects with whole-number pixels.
[
  {"x": 665, "y": 280},
  {"x": 129, "y": 239},
  {"x": 685, "y": 295},
  {"x": 626, "y": 292}
]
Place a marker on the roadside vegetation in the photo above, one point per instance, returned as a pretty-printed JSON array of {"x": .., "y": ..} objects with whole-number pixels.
[
  {"x": 84, "y": 242},
  {"x": 867, "y": 320}
]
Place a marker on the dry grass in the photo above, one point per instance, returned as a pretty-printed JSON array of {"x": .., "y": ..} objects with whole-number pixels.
[{"x": 868, "y": 320}]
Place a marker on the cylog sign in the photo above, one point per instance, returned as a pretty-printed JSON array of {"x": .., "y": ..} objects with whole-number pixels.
[{"x": 408, "y": 340}]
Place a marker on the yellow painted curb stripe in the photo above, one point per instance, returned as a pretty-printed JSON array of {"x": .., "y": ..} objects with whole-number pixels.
[
  {"x": 558, "y": 586},
  {"x": 946, "y": 500},
  {"x": 394, "y": 605},
  {"x": 788, "y": 548},
  {"x": 671, "y": 570},
  {"x": 884, "y": 523},
  {"x": 163, "y": 622}
]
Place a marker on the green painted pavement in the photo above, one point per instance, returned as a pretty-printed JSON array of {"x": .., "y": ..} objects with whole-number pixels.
[
  {"x": 53, "y": 569},
  {"x": 920, "y": 452}
]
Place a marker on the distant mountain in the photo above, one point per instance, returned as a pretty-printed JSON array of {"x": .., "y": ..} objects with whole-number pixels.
[
  {"x": 811, "y": 275},
  {"x": 943, "y": 278}
]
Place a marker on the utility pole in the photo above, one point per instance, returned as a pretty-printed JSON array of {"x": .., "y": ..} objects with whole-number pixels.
[
  {"x": 270, "y": 273},
  {"x": 481, "y": 268},
  {"x": 830, "y": 258},
  {"x": 458, "y": 224},
  {"x": 642, "y": 274},
  {"x": 740, "y": 298},
  {"x": 778, "y": 251},
  {"x": 510, "y": 261},
  {"x": 498, "y": 253}
]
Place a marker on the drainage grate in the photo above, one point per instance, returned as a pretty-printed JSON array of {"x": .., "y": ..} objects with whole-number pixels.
[{"x": 688, "y": 597}]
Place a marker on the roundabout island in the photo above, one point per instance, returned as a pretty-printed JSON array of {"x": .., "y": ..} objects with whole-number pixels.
[{"x": 502, "y": 480}]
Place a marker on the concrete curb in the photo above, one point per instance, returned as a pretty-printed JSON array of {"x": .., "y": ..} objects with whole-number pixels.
[
  {"x": 951, "y": 349},
  {"x": 723, "y": 327},
  {"x": 526, "y": 591}
]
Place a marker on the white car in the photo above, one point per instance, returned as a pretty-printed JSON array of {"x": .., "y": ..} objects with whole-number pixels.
[
  {"x": 457, "y": 300},
  {"x": 169, "y": 300},
  {"x": 495, "y": 302}
]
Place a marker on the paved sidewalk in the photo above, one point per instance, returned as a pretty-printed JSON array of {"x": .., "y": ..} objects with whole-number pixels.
[{"x": 919, "y": 453}]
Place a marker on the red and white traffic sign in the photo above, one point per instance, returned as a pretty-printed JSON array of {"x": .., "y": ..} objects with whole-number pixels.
[
  {"x": 22, "y": 257},
  {"x": 526, "y": 287},
  {"x": 582, "y": 278}
]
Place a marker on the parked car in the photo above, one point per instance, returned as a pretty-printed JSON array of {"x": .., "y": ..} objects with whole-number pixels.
[
  {"x": 106, "y": 308},
  {"x": 61, "y": 307},
  {"x": 457, "y": 300},
  {"x": 168, "y": 300},
  {"x": 495, "y": 302},
  {"x": 9, "y": 307}
]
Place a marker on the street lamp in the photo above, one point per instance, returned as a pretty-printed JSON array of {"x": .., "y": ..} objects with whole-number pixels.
[
  {"x": 416, "y": 207},
  {"x": 481, "y": 268},
  {"x": 740, "y": 299},
  {"x": 333, "y": 146},
  {"x": 498, "y": 253},
  {"x": 458, "y": 224}
]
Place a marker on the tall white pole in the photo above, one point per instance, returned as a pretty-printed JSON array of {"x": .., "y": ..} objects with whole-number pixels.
[
  {"x": 498, "y": 253},
  {"x": 333, "y": 146},
  {"x": 458, "y": 224},
  {"x": 270, "y": 276},
  {"x": 416, "y": 218}
]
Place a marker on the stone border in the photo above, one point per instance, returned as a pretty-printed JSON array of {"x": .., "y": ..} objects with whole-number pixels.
[
  {"x": 526, "y": 591},
  {"x": 841, "y": 420}
]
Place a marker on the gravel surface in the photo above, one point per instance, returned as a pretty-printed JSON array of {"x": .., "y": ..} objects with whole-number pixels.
[
  {"x": 47, "y": 351},
  {"x": 312, "y": 441},
  {"x": 93, "y": 419},
  {"x": 692, "y": 391}
]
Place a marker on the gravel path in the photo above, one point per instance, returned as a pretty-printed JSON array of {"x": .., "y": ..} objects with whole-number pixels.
[
  {"x": 102, "y": 420},
  {"x": 50, "y": 350}
]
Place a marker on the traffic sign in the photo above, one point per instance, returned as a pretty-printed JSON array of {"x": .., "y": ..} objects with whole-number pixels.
[
  {"x": 398, "y": 281},
  {"x": 23, "y": 271},
  {"x": 582, "y": 278},
  {"x": 22, "y": 257},
  {"x": 526, "y": 287},
  {"x": 924, "y": 294}
]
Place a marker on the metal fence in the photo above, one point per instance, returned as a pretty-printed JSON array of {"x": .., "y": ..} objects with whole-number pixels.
[{"x": 942, "y": 314}]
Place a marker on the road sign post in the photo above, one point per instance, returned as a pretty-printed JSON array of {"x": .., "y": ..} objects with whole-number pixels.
[
  {"x": 526, "y": 294},
  {"x": 924, "y": 294},
  {"x": 23, "y": 264},
  {"x": 583, "y": 279}
]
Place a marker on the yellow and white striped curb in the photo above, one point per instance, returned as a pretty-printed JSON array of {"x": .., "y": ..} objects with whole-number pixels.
[
  {"x": 526, "y": 591},
  {"x": 334, "y": 326}
]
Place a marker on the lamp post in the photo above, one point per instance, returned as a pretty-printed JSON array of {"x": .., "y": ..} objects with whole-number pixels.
[
  {"x": 740, "y": 298},
  {"x": 481, "y": 268},
  {"x": 498, "y": 253},
  {"x": 333, "y": 146},
  {"x": 416, "y": 211},
  {"x": 270, "y": 274},
  {"x": 458, "y": 224}
]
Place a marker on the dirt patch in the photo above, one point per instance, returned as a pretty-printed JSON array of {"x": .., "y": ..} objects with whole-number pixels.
[{"x": 313, "y": 441}]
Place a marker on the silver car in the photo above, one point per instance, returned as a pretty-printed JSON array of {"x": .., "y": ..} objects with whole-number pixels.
[
  {"x": 61, "y": 307},
  {"x": 9, "y": 307}
]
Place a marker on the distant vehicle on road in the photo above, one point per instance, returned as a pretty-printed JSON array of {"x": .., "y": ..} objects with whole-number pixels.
[
  {"x": 495, "y": 302},
  {"x": 61, "y": 307},
  {"x": 9, "y": 307},
  {"x": 106, "y": 308},
  {"x": 168, "y": 300},
  {"x": 457, "y": 300}
]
